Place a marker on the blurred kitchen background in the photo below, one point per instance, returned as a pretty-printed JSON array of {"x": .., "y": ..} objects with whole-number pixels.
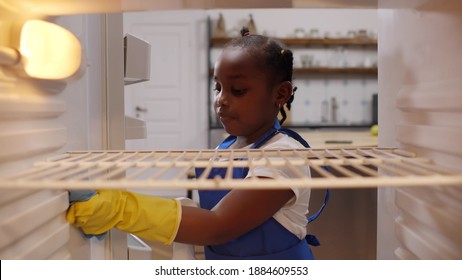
[{"x": 335, "y": 70}]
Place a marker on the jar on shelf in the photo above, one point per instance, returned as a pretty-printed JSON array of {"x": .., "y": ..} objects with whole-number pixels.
[
  {"x": 307, "y": 60},
  {"x": 351, "y": 34},
  {"x": 314, "y": 33},
  {"x": 299, "y": 33}
]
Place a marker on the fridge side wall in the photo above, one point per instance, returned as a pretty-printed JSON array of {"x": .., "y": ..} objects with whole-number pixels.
[
  {"x": 39, "y": 119},
  {"x": 420, "y": 109}
]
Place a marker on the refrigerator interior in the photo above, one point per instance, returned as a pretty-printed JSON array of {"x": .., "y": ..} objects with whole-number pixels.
[
  {"x": 420, "y": 108},
  {"x": 41, "y": 118}
]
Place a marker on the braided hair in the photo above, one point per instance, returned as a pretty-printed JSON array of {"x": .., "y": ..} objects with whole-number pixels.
[{"x": 271, "y": 56}]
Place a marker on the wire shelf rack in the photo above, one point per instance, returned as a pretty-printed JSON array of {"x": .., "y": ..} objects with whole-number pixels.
[{"x": 358, "y": 167}]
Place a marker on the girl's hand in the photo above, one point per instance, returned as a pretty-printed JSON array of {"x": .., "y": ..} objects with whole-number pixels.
[{"x": 148, "y": 217}]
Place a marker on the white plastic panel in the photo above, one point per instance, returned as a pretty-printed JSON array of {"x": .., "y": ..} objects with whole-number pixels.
[
  {"x": 20, "y": 219},
  {"x": 21, "y": 144},
  {"x": 403, "y": 254},
  {"x": 420, "y": 97},
  {"x": 7, "y": 196},
  {"x": 32, "y": 225},
  {"x": 42, "y": 243},
  {"x": 61, "y": 254},
  {"x": 134, "y": 128},
  {"x": 429, "y": 222},
  {"x": 423, "y": 241},
  {"x": 22, "y": 108},
  {"x": 137, "y": 60},
  {"x": 436, "y": 97},
  {"x": 333, "y": 168},
  {"x": 432, "y": 206},
  {"x": 138, "y": 249},
  {"x": 448, "y": 139},
  {"x": 422, "y": 209}
]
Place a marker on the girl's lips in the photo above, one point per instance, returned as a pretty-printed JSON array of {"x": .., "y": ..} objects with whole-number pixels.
[{"x": 225, "y": 118}]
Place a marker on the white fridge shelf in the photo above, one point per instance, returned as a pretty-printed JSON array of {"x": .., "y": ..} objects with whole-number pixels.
[{"x": 358, "y": 167}]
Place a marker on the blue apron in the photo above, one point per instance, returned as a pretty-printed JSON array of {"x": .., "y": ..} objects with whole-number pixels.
[{"x": 269, "y": 241}]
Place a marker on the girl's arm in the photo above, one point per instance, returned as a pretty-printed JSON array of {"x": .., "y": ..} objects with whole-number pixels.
[
  {"x": 237, "y": 213},
  {"x": 156, "y": 218}
]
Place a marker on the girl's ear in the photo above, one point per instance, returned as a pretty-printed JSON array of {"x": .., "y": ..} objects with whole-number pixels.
[{"x": 283, "y": 93}]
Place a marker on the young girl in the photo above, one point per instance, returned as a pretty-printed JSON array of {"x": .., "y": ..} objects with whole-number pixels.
[{"x": 252, "y": 84}]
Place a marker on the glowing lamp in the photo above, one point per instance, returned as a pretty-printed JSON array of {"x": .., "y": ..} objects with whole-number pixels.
[{"x": 46, "y": 51}]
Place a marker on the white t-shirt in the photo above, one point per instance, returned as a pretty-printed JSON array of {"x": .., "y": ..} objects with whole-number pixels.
[{"x": 293, "y": 214}]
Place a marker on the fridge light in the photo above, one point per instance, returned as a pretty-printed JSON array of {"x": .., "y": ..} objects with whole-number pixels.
[{"x": 46, "y": 51}]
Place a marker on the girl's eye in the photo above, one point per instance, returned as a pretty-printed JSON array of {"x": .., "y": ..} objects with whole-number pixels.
[
  {"x": 237, "y": 91},
  {"x": 217, "y": 88}
]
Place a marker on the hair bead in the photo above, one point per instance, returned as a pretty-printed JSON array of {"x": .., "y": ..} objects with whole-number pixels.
[{"x": 245, "y": 32}]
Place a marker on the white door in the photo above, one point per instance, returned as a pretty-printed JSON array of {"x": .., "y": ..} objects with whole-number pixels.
[{"x": 174, "y": 102}]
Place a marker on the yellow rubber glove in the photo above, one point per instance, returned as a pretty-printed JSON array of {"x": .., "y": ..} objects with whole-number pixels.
[{"x": 149, "y": 217}]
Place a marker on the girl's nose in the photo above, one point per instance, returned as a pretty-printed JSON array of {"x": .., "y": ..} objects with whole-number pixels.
[{"x": 221, "y": 99}]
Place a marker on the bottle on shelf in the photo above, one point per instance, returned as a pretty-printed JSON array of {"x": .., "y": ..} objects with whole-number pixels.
[
  {"x": 334, "y": 108},
  {"x": 220, "y": 28},
  {"x": 251, "y": 25}
]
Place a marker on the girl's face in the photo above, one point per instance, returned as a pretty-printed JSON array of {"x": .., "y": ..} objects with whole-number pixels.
[{"x": 244, "y": 102}]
